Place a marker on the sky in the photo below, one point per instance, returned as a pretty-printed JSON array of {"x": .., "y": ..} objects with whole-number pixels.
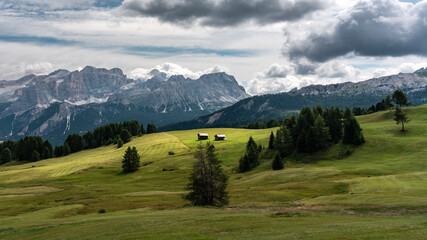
[{"x": 270, "y": 46}]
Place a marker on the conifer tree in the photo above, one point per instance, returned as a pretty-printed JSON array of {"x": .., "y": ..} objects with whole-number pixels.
[
  {"x": 310, "y": 141},
  {"x": 59, "y": 151},
  {"x": 271, "y": 141},
  {"x": 387, "y": 103},
  {"x": 35, "y": 156},
  {"x": 6, "y": 156},
  {"x": 142, "y": 129},
  {"x": 401, "y": 118},
  {"x": 399, "y": 97},
  {"x": 284, "y": 141},
  {"x": 208, "y": 182},
  {"x": 119, "y": 143},
  {"x": 352, "y": 131},
  {"x": 125, "y": 136},
  {"x": 251, "y": 158},
  {"x": 277, "y": 163},
  {"x": 131, "y": 159},
  {"x": 46, "y": 153},
  {"x": 46, "y": 144},
  {"x": 321, "y": 133},
  {"x": 66, "y": 149}
]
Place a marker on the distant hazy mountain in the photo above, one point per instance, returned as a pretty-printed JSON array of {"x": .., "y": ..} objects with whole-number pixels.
[
  {"x": 363, "y": 94},
  {"x": 66, "y": 102}
]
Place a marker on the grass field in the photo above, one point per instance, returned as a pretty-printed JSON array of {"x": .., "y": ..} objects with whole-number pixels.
[{"x": 379, "y": 191}]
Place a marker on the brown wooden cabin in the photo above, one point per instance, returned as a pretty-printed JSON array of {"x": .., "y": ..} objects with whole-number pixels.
[
  {"x": 203, "y": 136},
  {"x": 220, "y": 137}
]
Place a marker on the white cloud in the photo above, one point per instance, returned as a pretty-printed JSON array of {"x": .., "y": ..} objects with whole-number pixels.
[{"x": 172, "y": 69}]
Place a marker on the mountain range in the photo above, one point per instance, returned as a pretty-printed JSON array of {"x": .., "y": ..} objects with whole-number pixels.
[
  {"x": 65, "y": 102},
  {"x": 279, "y": 106}
]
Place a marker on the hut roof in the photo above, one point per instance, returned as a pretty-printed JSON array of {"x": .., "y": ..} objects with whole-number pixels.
[{"x": 203, "y": 134}]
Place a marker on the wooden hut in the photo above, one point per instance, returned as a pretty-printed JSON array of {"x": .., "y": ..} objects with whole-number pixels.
[
  {"x": 203, "y": 136},
  {"x": 219, "y": 137}
]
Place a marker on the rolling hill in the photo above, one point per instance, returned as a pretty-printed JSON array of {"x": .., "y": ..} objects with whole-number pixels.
[{"x": 375, "y": 191}]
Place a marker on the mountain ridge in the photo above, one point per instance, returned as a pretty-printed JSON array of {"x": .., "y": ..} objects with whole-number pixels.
[
  {"x": 64, "y": 102},
  {"x": 281, "y": 105}
]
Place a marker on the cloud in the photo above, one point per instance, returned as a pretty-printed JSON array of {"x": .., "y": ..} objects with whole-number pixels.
[
  {"x": 283, "y": 78},
  {"x": 35, "y": 5},
  {"x": 172, "y": 69},
  {"x": 220, "y": 13},
  {"x": 369, "y": 28}
]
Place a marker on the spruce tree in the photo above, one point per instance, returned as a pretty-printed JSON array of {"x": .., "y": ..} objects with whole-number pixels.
[
  {"x": 59, "y": 151},
  {"x": 35, "y": 156},
  {"x": 387, "y": 103},
  {"x": 401, "y": 118},
  {"x": 119, "y": 143},
  {"x": 131, "y": 159},
  {"x": 352, "y": 131},
  {"x": 399, "y": 97},
  {"x": 251, "y": 158},
  {"x": 310, "y": 141},
  {"x": 208, "y": 182},
  {"x": 271, "y": 141},
  {"x": 6, "y": 156},
  {"x": 142, "y": 129},
  {"x": 277, "y": 163},
  {"x": 66, "y": 149},
  {"x": 321, "y": 134},
  {"x": 125, "y": 136},
  {"x": 284, "y": 141},
  {"x": 46, "y": 153},
  {"x": 46, "y": 144}
]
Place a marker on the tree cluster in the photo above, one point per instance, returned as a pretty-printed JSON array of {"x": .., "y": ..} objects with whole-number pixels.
[
  {"x": 113, "y": 133},
  {"x": 316, "y": 129},
  {"x": 30, "y": 148},
  {"x": 35, "y": 148},
  {"x": 208, "y": 182}
]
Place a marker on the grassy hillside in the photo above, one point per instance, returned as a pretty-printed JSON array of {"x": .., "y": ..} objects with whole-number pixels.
[{"x": 376, "y": 192}]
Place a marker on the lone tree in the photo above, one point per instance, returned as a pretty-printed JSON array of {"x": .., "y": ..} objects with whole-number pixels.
[
  {"x": 399, "y": 97},
  {"x": 277, "y": 163},
  {"x": 208, "y": 182},
  {"x": 130, "y": 162},
  {"x": 401, "y": 118}
]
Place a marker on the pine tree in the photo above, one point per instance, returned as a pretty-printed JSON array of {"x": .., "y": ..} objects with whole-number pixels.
[
  {"x": 277, "y": 163},
  {"x": 6, "y": 156},
  {"x": 125, "y": 136},
  {"x": 321, "y": 133},
  {"x": 75, "y": 142},
  {"x": 310, "y": 141},
  {"x": 59, "y": 151},
  {"x": 399, "y": 97},
  {"x": 35, "y": 156},
  {"x": 46, "y": 153},
  {"x": 387, "y": 103},
  {"x": 131, "y": 159},
  {"x": 119, "y": 143},
  {"x": 142, "y": 129},
  {"x": 401, "y": 118},
  {"x": 284, "y": 141},
  {"x": 208, "y": 182},
  {"x": 46, "y": 144},
  {"x": 66, "y": 149},
  {"x": 352, "y": 131},
  {"x": 271, "y": 141},
  {"x": 151, "y": 128},
  {"x": 251, "y": 158}
]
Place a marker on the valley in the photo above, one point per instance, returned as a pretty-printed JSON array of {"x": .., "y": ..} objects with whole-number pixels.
[{"x": 374, "y": 191}]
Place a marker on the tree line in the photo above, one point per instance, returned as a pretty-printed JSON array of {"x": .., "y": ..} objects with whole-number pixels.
[
  {"x": 34, "y": 148},
  {"x": 313, "y": 130}
]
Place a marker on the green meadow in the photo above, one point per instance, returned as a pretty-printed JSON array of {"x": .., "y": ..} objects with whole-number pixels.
[{"x": 375, "y": 191}]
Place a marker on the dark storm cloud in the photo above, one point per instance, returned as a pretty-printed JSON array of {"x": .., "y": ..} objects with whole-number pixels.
[
  {"x": 369, "y": 28},
  {"x": 219, "y": 13}
]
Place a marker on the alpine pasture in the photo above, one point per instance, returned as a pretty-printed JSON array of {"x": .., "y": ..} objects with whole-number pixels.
[{"x": 375, "y": 191}]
